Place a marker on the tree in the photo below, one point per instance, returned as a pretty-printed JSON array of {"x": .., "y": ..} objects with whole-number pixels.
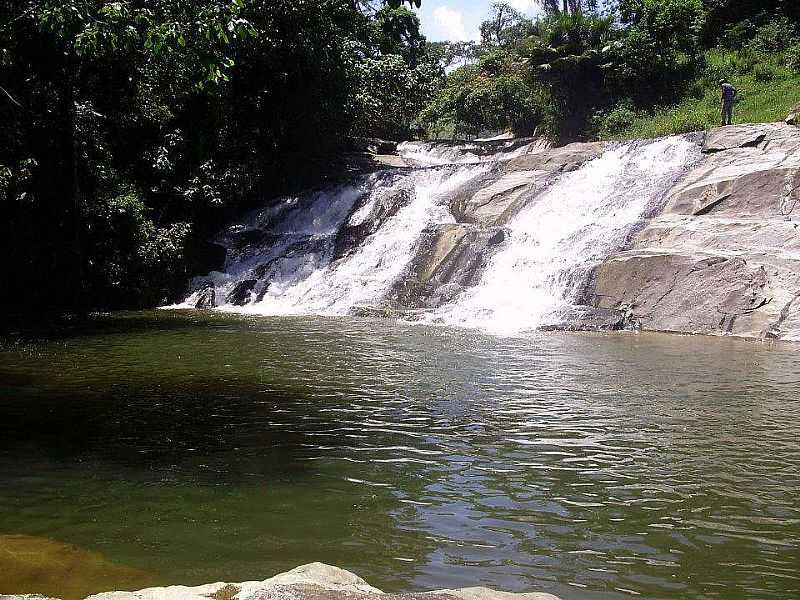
[{"x": 504, "y": 26}]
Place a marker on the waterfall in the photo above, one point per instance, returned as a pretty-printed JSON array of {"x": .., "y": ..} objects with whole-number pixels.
[
  {"x": 560, "y": 238},
  {"x": 333, "y": 251}
]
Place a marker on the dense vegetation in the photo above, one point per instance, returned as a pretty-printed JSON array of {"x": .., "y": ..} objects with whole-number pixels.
[
  {"x": 130, "y": 130},
  {"x": 624, "y": 69}
]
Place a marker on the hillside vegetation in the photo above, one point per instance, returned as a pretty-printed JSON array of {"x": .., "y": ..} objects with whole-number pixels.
[
  {"x": 132, "y": 130},
  {"x": 645, "y": 68}
]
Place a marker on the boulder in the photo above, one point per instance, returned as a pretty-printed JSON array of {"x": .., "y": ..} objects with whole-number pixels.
[
  {"x": 794, "y": 115},
  {"x": 450, "y": 258},
  {"x": 206, "y": 298},
  {"x": 239, "y": 295},
  {"x": 315, "y": 581}
]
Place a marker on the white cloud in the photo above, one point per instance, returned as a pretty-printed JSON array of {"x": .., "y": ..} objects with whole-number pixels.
[
  {"x": 449, "y": 25},
  {"x": 526, "y": 6}
]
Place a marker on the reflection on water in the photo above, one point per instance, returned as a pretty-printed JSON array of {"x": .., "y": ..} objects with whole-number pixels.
[{"x": 588, "y": 466}]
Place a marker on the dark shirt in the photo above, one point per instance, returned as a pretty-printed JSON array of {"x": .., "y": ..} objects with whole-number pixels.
[{"x": 728, "y": 93}]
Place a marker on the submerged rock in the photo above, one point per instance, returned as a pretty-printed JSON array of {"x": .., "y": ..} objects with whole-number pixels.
[
  {"x": 37, "y": 565},
  {"x": 315, "y": 581}
]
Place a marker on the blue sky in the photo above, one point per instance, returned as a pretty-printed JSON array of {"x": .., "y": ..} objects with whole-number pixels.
[{"x": 457, "y": 20}]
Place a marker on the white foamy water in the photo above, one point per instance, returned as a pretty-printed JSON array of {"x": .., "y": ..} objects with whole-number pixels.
[
  {"x": 296, "y": 256},
  {"x": 558, "y": 239},
  {"x": 297, "y": 272}
]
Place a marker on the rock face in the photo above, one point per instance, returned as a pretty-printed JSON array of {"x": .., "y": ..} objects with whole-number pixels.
[
  {"x": 496, "y": 198},
  {"x": 723, "y": 256},
  {"x": 449, "y": 259},
  {"x": 315, "y": 581}
]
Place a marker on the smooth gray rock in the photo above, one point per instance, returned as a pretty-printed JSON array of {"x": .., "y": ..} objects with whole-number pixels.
[
  {"x": 723, "y": 256},
  {"x": 450, "y": 259},
  {"x": 315, "y": 581},
  {"x": 367, "y": 219},
  {"x": 562, "y": 159}
]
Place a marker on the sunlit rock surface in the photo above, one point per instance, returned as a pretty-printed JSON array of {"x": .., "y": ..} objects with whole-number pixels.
[
  {"x": 723, "y": 256},
  {"x": 315, "y": 581},
  {"x": 695, "y": 233}
]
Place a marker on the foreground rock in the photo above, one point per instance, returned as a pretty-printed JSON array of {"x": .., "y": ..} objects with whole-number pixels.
[
  {"x": 723, "y": 256},
  {"x": 315, "y": 581}
]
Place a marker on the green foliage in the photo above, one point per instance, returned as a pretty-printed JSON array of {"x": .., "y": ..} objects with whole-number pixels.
[
  {"x": 487, "y": 97},
  {"x": 758, "y": 101},
  {"x": 793, "y": 58},
  {"x": 764, "y": 73},
  {"x": 138, "y": 262},
  {"x": 617, "y": 120},
  {"x": 775, "y": 36},
  {"x": 203, "y": 107}
]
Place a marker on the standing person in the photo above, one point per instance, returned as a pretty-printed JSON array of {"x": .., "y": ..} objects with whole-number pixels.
[{"x": 728, "y": 100}]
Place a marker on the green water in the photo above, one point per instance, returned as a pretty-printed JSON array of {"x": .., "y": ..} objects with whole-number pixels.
[{"x": 199, "y": 449}]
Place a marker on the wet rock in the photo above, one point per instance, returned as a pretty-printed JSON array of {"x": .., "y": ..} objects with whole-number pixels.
[
  {"x": 310, "y": 582},
  {"x": 205, "y": 256},
  {"x": 206, "y": 298},
  {"x": 450, "y": 259},
  {"x": 588, "y": 318},
  {"x": 562, "y": 159},
  {"x": 241, "y": 292},
  {"x": 497, "y": 197},
  {"x": 372, "y": 145},
  {"x": 368, "y": 218}
]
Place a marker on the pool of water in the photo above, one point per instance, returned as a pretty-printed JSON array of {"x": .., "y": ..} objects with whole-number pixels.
[{"x": 193, "y": 448}]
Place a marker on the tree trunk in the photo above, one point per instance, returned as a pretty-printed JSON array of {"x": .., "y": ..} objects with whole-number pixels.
[{"x": 74, "y": 200}]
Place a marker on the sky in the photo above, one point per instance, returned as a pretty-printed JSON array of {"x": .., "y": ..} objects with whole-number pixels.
[{"x": 460, "y": 20}]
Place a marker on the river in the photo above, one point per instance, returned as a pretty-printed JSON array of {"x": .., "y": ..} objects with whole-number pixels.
[{"x": 201, "y": 447}]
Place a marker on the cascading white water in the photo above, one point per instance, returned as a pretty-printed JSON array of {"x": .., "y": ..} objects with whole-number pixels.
[
  {"x": 296, "y": 257},
  {"x": 296, "y": 270},
  {"x": 557, "y": 240}
]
